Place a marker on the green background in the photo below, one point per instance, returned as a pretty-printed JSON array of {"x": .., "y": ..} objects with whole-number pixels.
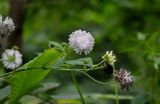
[{"x": 130, "y": 28}]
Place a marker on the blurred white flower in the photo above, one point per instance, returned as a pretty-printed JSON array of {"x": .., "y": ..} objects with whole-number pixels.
[
  {"x": 6, "y": 26},
  {"x": 109, "y": 57},
  {"x": 81, "y": 41},
  {"x": 11, "y": 59},
  {"x": 0, "y": 19}
]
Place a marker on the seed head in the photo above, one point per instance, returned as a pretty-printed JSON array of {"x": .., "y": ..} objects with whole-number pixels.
[{"x": 124, "y": 78}]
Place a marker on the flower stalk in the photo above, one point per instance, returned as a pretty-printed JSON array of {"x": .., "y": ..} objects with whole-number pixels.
[
  {"x": 77, "y": 86},
  {"x": 116, "y": 88}
]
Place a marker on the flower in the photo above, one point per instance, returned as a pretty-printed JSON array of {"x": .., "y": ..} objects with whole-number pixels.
[
  {"x": 124, "y": 78},
  {"x": 6, "y": 26},
  {"x": 11, "y": 58},
  {"x": 109, "y": 57},
  {"x": 81, "y": 41}
]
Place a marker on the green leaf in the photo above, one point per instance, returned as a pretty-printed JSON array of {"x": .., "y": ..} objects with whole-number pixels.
[
  {"x": 81, "y": 61},
  {"x": 75, "y": 62},
  {"x": 26, "y": 81},
  {"x": 4, "y": 92},
  {"x": 87, "y": 61},
  {"x": 156, "y": 60},
  {"x": 141, "y": 36},
  {"x": 47, "y": 86},
  {"x": 140, "y": 99},
  {"x": 55, "y": 44}
]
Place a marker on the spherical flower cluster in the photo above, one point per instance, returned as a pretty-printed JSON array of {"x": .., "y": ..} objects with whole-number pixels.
[
  {"x": 109, "y": 57},
  {"x": 124, "y": 78},
  {"x": 81, "y": 41},
  {"x": 11, "y": 59},
  {"x": 6, "y": 26}
]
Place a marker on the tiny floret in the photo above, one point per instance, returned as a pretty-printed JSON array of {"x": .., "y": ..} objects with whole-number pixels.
[
  {"x": 109, "y": 57},
  {"x": 81, "y": 41},
  {"x": 6, "y": 26},
  {"x": 11, "y": 59},
  {"x": 124, "y": 78}
]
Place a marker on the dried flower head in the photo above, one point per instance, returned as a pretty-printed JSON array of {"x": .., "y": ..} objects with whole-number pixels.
[
  {"x": 81, "y": 41},
  {"x": 6, "y": 26},
  {"x": 11, "y": 59},
  {"x": 109, "y": 57},
  {"x": 124, "y": 78}
]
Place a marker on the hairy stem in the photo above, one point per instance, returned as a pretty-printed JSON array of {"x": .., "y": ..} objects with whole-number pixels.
[
  {"x": 99, "y": 82},
  {"x": 116, "y": 88},
  {"x": 77, "y": 86},
  {"x": 62, "y": 69}
]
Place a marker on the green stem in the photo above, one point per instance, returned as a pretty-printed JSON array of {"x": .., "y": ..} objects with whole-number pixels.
[
  {"x": 9, "y": 73},
  {"x": 86, "y": 70},
  {"x": 99, "y": 82},
  {"x": 59, "y": 68},
  {"x": 77, "y": 86},
  {"x": 19, "y": 70},
  {"x": 116, "y": 88},
  {"x": 108, "y": 96},
  {"x": 98, "y": 64},
  {"x": 116, "y": 92}
]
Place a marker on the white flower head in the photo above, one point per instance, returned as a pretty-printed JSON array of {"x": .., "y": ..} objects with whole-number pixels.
[
  {"x": 11, "y": 59},
  {"x": 109, "y": 57},
  {"x": 9, "y": 22},
  {"x": 6, "y": 26},
  {"x": 81, "y": 41}
]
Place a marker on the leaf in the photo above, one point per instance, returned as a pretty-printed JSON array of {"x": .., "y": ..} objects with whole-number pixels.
[
  {"x": 88, "y": 61},
  {"x": 81, "y": 61},
  {"x": 55, "y": 44},
  {"x": 29, "y": 99},
  {"x": 156, "y": 60},
  {"x": 4, "y": 93},
  {"x": 75, "y": 62},
  {"x": 47, "y": 86},
  {"x": 25, "y": 81},
  {"x": 141, "y": 36},
  {"x": 140, "y": 99}
]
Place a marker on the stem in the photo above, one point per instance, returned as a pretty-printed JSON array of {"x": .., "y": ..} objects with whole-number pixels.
[
  {"x": 108, "y": 96},
  {"x": 116, "y": 92},
  {"x": 95, "y": 68},
  {"x": 44, "y": 100},
  {"x": 21, "y": 69},
  {"x": 99, "y": 82},
  {"x": 6, "y": 74},
  {"x": 99, "y": 63},
  {"x": 78, "y": 89},
  {"x": 60, "y": 69},
  {"x": 67, "y": 69},
  {"x": 116, "y": 88},
  {"x": 63, "y": 69}
]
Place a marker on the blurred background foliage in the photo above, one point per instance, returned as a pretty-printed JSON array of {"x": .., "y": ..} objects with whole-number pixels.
[{"x": 129, "y": 27}]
